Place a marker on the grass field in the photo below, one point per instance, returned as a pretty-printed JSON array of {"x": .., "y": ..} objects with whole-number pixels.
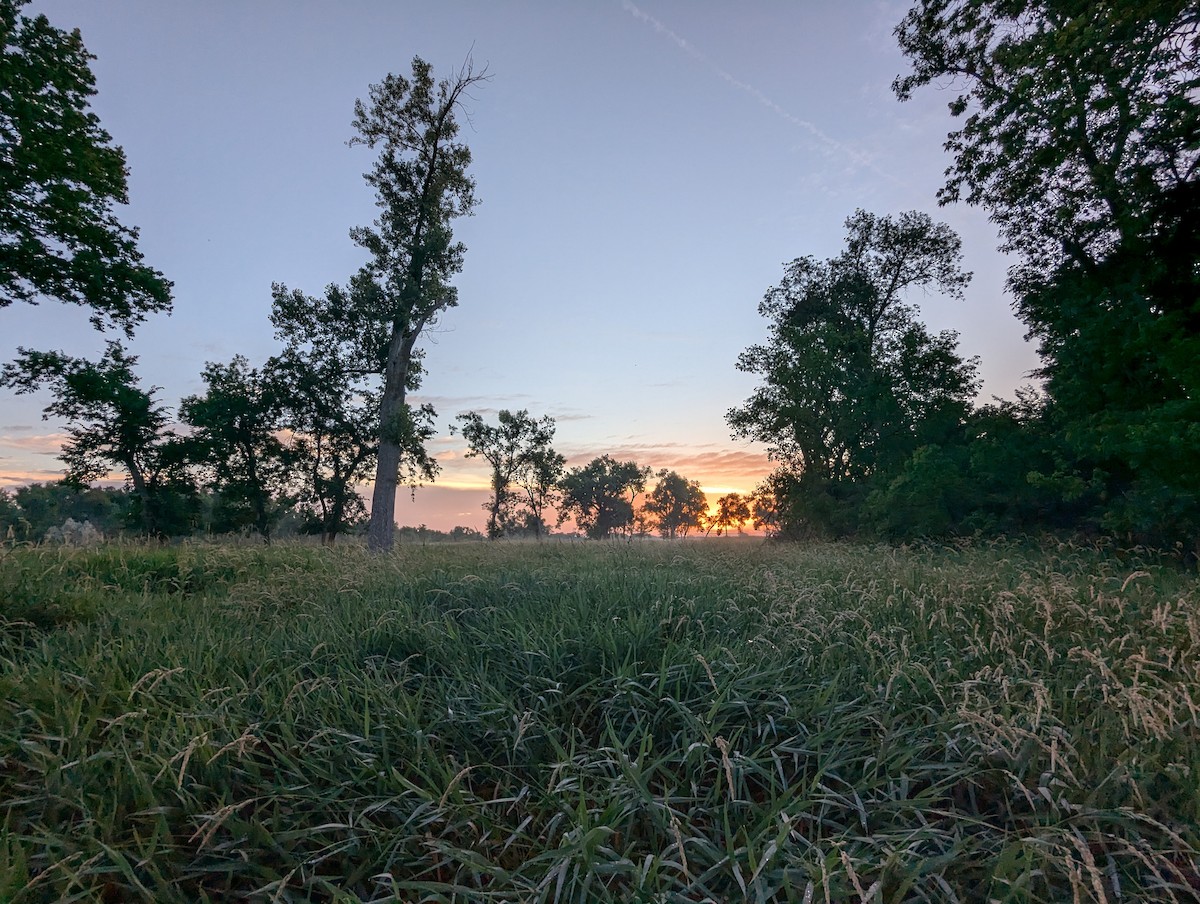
[{"x": 718, "y": 721}]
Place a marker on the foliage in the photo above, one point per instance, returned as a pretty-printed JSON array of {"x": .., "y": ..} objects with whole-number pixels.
[
  {"x": 235, "y": 427},
  {"x": 647, "y": 722},
  {"x": 422, "y": 185},
  {"x": 31, "y": 510},
  {"x": 1079, "y": 136},
  {"x": 327, "y": 382},
  {"x": 525, "y": 469},
  {"x": 114, "y": 423},
  {"x": 733, "y": 511},
  {"x": 600, "y": 495},
  {"x": 676, "y": 505},
  {"x": 62, "y": 176},
  {"x": 853, "y": 383}
]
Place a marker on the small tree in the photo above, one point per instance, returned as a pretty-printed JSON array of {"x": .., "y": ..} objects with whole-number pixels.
[
  {"x": 236, "y": 426},
  {"x": 676, "y": 505},
  {"x": 113, "y": 423},
  {"x": 538, "y": 481},
  {"x": 60, "y": 179},
  {"x": 733, "y": 511},
  {"x": 600, "y": 496},
  {"x": 518, "y": 449}
]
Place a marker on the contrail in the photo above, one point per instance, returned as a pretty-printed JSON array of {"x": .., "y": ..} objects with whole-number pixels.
[{"x": 831, "y": 144}]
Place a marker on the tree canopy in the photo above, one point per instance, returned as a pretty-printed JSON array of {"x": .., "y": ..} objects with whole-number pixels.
[
  {"x": 1079, "y": 135},
  {"x": 676, "y": 505},
  {"x": 600, "y": 495},
  {"x": 235, "y": 436},
  {"x": 852, "y": 381},
  {"x": 60, "y": 179}
]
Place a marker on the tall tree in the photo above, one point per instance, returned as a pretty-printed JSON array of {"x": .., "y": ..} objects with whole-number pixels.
[
  {"x": 422, "y": 185},
  {"x": 515, "y": 447},
  {"x": 235, "y": 436},
  {"x": 60, "y": 180},
  {"x": 113, "y": 423},
  {"x": 1079, "y": 135},
  {"x": 600, "y": 496},
  {"x": 852, "y": 381},
  {"x": 676, "y": 505}
]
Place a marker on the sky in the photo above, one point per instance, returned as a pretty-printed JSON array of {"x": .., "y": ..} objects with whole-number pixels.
[{"x": 644, "y": 171}]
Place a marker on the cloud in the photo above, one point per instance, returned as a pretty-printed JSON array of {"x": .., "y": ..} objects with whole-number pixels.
[
  {"x": 40, "y": 444},
  {"x": 830, "y": 146},
  {"x": 14, "y": 428},
  {"x": 720, "y": 468},
  {"x": 21, "y": 478}
]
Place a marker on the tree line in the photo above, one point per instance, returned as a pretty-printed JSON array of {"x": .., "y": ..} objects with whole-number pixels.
[{"x": 1078, "y": 132}]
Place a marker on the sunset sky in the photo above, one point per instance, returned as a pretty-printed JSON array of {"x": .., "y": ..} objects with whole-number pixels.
[{"x": 644, "y": 170}]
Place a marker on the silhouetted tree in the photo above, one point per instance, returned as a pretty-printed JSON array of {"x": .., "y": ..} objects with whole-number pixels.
[
  {"x": 328, "y": 380},
  {"x": 114, "y": 423},
  {"x": 235, "y": 438},
  {"x": 600, "y": 496},
  {"x": 524, "y": 467},
  {"x": 60, "y": 179},
  {"x": 853, "y": 383},
  {"x": 676, "y": 505},
  {"x": 422, "y": 186},
  {"x": 733, "y": 511}
]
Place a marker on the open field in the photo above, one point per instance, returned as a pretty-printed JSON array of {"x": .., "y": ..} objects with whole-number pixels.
[{"x": 587, "y": 722}]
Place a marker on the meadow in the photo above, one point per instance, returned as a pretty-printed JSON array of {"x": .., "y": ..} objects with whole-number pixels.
[{"x": 708, "y": 721}]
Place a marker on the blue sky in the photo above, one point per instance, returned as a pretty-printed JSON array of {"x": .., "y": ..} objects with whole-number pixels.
[{"x": 644, "y": 170}]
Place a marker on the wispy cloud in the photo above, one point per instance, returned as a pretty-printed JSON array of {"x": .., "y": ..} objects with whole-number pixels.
[
  {"x": 832, "y": 147},
  {"x": 718, "y": 468},
  {"x": 21, "y": 478},
  {"x": 41, "y": 444}
]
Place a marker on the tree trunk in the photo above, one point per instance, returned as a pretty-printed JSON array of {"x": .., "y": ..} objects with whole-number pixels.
[
  {"x": 382, "y": 526},
  {"x": 381, "y": 529}
]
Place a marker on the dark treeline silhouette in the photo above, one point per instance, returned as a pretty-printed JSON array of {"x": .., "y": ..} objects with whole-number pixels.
[{"x": 1077, "y": 134}]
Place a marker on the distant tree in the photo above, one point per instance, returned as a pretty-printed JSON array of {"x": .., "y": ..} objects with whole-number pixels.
[
  {"x": 422, "y": 185},
  {"x": 60, "y": 179},
  {"x": 13, "y": 525},
  {"x": 676, "y": 505},
  {"x": 113, "y": 423},
  {"x": 518, "y": 449},
  {"x": 235, "y": 438},
  {"x": 733, "y": 511},
  {"x": 600, "y": 496},
  {"x": 853, "y": 382},
  {"x": 1078, "y": 134},
  {"x": 34, "y": 508},
  {"x": 538, "y": 482},
  {"x": 334, "y": 435}
]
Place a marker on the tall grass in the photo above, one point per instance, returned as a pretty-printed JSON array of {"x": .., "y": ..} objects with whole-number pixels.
[{"x": 559, "y": 722}]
